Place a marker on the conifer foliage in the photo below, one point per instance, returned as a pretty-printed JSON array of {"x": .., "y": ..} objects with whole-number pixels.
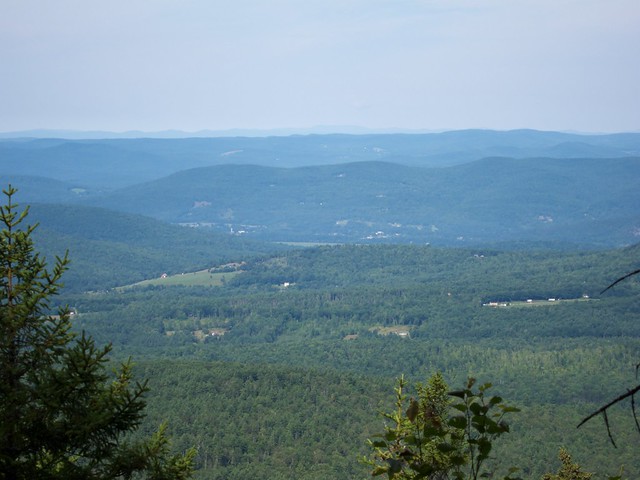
[
  {"x": 62, "y": 413},
  {"x": 569, "y": 470}
]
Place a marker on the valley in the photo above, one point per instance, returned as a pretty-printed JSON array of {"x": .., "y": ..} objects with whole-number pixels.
[
  {"x": 455, "y": 188},
  {"x": 345, "y": 313},
  {"x": 201, "y": 278},
  {"x": 272, "y": 290}
]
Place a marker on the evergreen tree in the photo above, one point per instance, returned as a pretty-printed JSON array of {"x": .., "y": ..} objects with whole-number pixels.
[
  {"x": 62, "y": 415},
  {"x": 568, "y": 469}
]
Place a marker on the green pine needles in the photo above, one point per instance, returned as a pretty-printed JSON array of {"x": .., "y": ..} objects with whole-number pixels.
[{"x": 63, "y": 415}]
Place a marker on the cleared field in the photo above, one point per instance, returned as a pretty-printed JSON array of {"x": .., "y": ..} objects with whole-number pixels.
[
  {"x": 202, "y": 278},
  {"x": 535, "y": 303},
  {"x": 307, "y": 244},
  {"x": 400, "y": 330}
]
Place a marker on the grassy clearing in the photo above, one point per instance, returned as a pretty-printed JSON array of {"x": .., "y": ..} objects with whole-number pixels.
[
  {"x": 540, "y": 303},
  {"x": 308, "y": 244},
  {"x": 202, "y": 278},
  {"x": 400, "y": 330},
  {"x": 535, "y": 303}
]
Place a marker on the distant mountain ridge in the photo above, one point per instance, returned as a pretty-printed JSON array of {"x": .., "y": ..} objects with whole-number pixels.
[
  {"x": 460, "y": 187},
  {"x": 499, "y": 199},
  {"x": 232, "y": 132},
  {"x": 115, "y": 163}
]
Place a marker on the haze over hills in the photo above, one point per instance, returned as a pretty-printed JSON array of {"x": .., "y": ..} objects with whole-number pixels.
[
  {"x": 232, "y": 132},
  {"x": 114, "y": 163},
  {"x": 571, "y": 200},
  {"x": 450, "y": 188},
  {"x": 349, "y": 317}
]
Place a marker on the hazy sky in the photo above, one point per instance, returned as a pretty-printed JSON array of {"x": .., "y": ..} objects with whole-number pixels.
[{"x": 412, "y": 64}]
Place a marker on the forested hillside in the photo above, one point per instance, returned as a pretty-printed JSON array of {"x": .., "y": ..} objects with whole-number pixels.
[
  {"x": 110, "y": 163},
  {"x": 576, "y": 201},
  {"x": 353, "y": 318},
  {"x": 469, "y": 253},
  {"x": 109, "y": 248},
  {"x": 461, "y": 188}
]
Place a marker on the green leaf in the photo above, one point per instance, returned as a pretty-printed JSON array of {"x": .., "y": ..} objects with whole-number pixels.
[
  {"x": 411, "y": 440},
  {"x": 458, "y": 393},
  {"x": 484, "y": 447},
  {"x": 395, "y": 466},
  {"x": 498, "y": 428},
  {"x": 480, "y": 428},
  {"x": 459, "y": 421},
  {"x": 477, "y": 409},
  {"x": 507, "y": 409},
  {"x": 423, "y": 469},
  {"x": 429, "y": 432},
  {"x": 445, "y": 447}
]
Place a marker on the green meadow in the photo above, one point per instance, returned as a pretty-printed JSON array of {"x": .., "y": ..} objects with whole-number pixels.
[{"x": 201, "y": 278}]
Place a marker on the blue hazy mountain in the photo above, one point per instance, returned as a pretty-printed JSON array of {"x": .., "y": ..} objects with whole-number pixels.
[
  {"x": 464, "y": 187},
  {"x": 114, "y": 163},
  {"x": 592, "y": 201}
]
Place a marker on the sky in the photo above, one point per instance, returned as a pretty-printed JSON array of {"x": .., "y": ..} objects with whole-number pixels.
[{"x": 413, "y": 65}]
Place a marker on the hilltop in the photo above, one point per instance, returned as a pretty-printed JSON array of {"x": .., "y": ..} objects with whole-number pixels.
[
  {"x": 118, "y": 162},
  {"x": 466, "y": 187},
  {"x": 590, "y": 202}
]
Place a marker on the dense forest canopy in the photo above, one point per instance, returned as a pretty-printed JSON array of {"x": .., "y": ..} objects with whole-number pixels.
[
  {"x": 382, "y": 311},
  {"x": 275, "y": 359}
]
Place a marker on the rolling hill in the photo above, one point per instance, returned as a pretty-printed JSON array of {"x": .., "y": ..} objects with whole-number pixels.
[
  {"x": 280, "y": 370},
  {"x": 581, "y": 201},
  {"x": 265, "y": 377},
  {"x": 451, "y": 188},
  {"x": 113, "y": 163},
  {"x": 109, "y": 249}
]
